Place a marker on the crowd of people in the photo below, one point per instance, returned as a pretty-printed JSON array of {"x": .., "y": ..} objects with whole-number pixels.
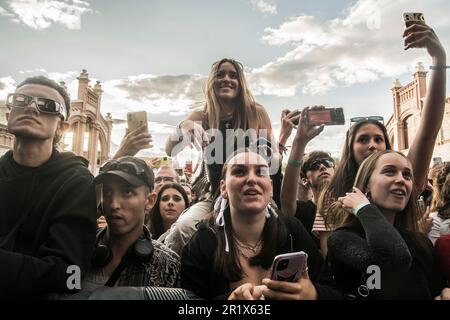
[{"x": 132, "y": 231}]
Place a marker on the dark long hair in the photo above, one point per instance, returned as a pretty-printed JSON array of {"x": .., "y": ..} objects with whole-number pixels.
[
  {"x": 156, "y": 224},
  {"x": 274, "y": 235},
  {"x": 345, "y": 173}
]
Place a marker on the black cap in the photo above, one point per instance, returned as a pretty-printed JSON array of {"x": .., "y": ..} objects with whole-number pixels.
[{"x": 133, "y": 170}]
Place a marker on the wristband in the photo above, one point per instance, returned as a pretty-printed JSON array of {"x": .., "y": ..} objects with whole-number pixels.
[
  {"x": 295, "y": 163},
  {"x": 439, "y": 67}
]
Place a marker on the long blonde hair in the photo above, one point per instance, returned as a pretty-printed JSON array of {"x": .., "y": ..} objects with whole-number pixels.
[
  {"x": 338, "y": 217},
  {"x": 245, "y": 114}
]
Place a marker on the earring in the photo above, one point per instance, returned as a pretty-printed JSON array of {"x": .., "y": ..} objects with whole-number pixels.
[{"x": 368, "y": 195}]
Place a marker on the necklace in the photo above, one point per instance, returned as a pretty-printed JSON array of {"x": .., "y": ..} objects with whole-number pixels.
[{"x": 245, "y": 246}]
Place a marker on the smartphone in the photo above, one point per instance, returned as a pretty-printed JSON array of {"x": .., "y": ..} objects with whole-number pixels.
[
  {"x": 437, "y": 161},
  {"x": 296, "y": 113},
  {"x": 411, "y": 17},
  {"x": 328, "y": 116},
  {"x": 136, "y": 119},
  {"x": 288, "y": 266}
]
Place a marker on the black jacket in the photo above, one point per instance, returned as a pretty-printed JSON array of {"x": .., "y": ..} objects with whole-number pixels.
[
  {"x": 47, "y": 223},
  {"x": 198, "y": 274},
  {"x": 407, "y": 265}
]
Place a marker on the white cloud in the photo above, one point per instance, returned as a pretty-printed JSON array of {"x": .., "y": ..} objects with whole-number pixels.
[
  {"x": 7, "y": 85},
  {"x": 265, "y": 6},
  {"x": 42, "y": 14},
  {"x": 5, "y": 13},
  {"x": 159, "y": 95},
  {"x": 363, "y": 45}
]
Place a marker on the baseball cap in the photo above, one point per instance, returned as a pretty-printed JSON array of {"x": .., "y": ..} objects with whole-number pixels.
[{"x": 133, "y": 170}]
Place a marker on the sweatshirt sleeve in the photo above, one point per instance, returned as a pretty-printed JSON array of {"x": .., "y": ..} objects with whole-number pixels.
[
  {"x": 70, "y": 243},
  {"x": 383, "y": 246},
  {"x": 196, "y": 264}
]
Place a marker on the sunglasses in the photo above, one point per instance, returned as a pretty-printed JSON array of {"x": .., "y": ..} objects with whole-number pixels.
[
  {"x": 315, "y": 165},
  {"x": 125, "y": 166},
  {"x": 44, "y": 105},
  {"x": 371, "y": 118}
]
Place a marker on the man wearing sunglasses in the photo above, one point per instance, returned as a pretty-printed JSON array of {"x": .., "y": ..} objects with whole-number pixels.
[
  {"x": 165, "y": 174},
  {"x": 48, "y": 208}
]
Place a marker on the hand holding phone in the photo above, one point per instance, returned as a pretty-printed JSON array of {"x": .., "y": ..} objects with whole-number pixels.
[
  {"x": 289, "y": 266},
  {"x": 327, "y": 116}
]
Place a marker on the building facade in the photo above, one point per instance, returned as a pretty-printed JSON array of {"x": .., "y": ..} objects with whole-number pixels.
[
  {"x": 6, "y": 138},
  {"x": 408, "y": 102},
  {"x": 89, "y": 134}
]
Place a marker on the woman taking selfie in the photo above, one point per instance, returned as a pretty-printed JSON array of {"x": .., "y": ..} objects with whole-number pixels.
[
  {"x": 368, "y": 136},
  {"x": 376, "y": 252},
  {"x": 231, "y": 254}
]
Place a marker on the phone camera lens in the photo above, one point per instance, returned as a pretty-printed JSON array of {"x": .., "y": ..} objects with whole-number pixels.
[{"x": 283, "y": 265}]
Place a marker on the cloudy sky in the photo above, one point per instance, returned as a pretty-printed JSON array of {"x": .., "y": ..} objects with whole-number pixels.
[{"x": 155, "y": 55}]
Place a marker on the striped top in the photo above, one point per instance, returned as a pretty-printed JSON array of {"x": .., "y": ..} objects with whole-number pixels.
[{"x": 319, "y": 221}]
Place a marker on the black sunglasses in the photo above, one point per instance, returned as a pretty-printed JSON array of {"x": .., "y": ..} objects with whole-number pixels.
[
  {"x": 371, "y": 118},
  {"x": 315, "y": 165},
  {"x": 44, "y": 105},
  {"x": 125, "y": 166}
]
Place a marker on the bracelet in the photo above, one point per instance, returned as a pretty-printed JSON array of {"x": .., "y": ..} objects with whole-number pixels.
[
  {"x": 295, "y": 163},
  {"x": 439, "y": 67}
]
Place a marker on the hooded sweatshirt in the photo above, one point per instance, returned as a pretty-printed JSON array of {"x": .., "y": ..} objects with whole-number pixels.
[{"x": 47, "y": 223}]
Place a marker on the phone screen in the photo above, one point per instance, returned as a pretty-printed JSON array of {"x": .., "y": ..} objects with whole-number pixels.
[{"x": 320, "y": 116}]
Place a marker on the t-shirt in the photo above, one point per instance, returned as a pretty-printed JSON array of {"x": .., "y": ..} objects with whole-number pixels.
[{"x": 306, "y": 214}]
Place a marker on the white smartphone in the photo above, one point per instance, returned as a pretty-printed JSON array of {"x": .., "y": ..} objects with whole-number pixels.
[
  {"x": 136, "y": 119},
  {"x": 288, "y": 266}
]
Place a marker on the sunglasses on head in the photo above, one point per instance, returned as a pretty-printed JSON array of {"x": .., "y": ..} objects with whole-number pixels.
[
  {"x": 125, "y": 166},
  {"x": 315, "y": 165},
  {"x": 371, "y": 118},
  {"x": 44, "y": 105}
]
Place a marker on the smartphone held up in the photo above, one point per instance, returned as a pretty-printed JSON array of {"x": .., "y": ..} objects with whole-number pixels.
[
  {"x": 327, "y": 116},
  {"x": 136, "y": 120},
  {"x": 412, "y": 17}
]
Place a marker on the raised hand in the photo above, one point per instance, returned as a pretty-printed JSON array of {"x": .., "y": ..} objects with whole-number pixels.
[
  {"x": 288, "y": 121},
  {"x": 134, "y": 141},
  {"x": 420, "y": 35},
  {"x": 305, "y": 132}
]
